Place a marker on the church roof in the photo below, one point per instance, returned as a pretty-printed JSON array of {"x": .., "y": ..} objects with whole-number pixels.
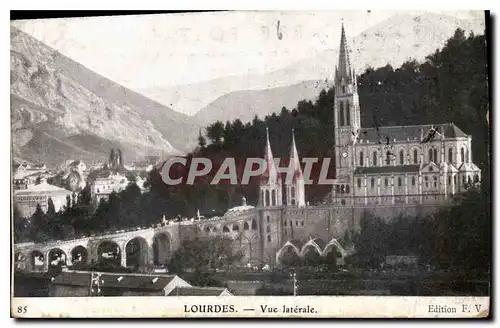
[
  {"x": 387, "y": 134},
  {"x": 388, "y": 169},
  {"x": 468, "y": 167}
]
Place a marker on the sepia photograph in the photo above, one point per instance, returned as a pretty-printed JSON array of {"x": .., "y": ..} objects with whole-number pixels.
[{"x": 237, "y": 155}]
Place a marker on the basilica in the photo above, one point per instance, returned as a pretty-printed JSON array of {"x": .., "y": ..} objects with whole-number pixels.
[{"x": 380, "y": 165}]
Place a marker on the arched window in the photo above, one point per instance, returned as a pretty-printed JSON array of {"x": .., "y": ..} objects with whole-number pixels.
[
  {"x": 463, "y": 180},
  {"x": 373, "y": 183},
  {"x": 455, "y": 179},
  {"x": 268, "y": 202},
  {"x": 245, "y": 226},
  {"x": 388, "y": 158},
  {"x": 386, "y": 182},
  {"x": 426, "y": 182},
  {"x": 436, "y": 160},
  {"x": 267, "y": 218},
  {"x": 462, "y": 154},
  {"x": 469, "y": 179},
  {"x": 449, "y": 179},
  {"x": 254, "y": 225},
  {"x": 399, "y": 181},
  {"x": 467, "y": 159},
  {"x": 341, "y": 113},
  {"x": 274, "y": 197},
  {"x": 225, "y": 229},
  {"x": 412, "y": 181},
  {"x": 284, "y": 223},
  {"x": 401, "y": 157},
  {"x": 435, "y": 181},
  {"x": 236, "y": 227},
  {"x": 415, "y": 156},
  {"x": 450, "y": 155},
  {"x": 337, "y": 189},
  {"x": 268, "y": 229},
  {"x": 359, "y": 182},
  {"x": 348, "y": 113},
  {"x": 347, "y": 189},
  {"x": 361, "y": 158},
  {"x": 430, "y": 155},
  {"x": 374, "y": 158}
]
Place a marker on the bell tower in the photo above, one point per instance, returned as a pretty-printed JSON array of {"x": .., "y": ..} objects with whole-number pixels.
[{"x": 346, "y": 118}]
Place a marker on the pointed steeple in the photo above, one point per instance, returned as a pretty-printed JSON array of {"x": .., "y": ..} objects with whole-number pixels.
[
  {"x": 270, "y": 175},
  {"x": 294, "y": 160},
  {"x": 344, "y": 67}
]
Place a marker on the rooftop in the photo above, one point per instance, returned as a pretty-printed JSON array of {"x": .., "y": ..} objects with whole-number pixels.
[
  {"x": 387, "y": 134},
  {"x": 197, "y": 291},
  {"x": 115, "y": 280},
  {"x": 414, "y": 168},
  {"x": 42, "y": 188}
]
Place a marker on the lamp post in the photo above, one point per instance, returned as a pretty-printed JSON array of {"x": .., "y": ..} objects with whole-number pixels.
[
  {"x": 295, "y": 286},
  {"x": 250, "y": 246}
]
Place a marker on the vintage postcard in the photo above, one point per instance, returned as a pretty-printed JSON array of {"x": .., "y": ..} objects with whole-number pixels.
[{"x": 195, "y": 165}]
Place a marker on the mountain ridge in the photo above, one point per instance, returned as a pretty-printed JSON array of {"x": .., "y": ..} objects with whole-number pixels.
[
  {"x": 52, "y": 92},
  {"x": 427, "y": 32}
]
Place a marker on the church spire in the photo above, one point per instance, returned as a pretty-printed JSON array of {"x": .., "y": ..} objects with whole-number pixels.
[
  {"x": 294, "y": 160},
  {"x": 344, "y": 67},
  {"x": 295, "y": 190},
  {"x": 271, "y": 173}
]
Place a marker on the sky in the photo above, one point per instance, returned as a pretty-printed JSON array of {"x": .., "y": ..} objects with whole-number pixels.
[{"x": 173, "y": 49}]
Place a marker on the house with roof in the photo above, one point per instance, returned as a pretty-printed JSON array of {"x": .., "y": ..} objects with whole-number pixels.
[
  {"x": 85, "y": 283},
  {"x": 28, "y": 198}
]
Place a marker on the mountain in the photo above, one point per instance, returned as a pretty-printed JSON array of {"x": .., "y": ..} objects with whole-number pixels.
[
  {"x": 392, "y": 41},
  {"x": 247, "y": 103},
  {"x": 60, "y": 110}
]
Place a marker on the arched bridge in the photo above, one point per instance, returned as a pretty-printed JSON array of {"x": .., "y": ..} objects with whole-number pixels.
[{"x": 140, "y": 247}]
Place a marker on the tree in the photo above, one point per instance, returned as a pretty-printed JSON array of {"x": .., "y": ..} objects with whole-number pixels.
[
  {"x": 51, "y": 210},
  {"x": 204, "y": 254},
  {"x": 38, "y": 225},
  {"x": 112, "y": 157},
  {"x": 202, "y": 142},
  {"x": 215, "y": 132}
]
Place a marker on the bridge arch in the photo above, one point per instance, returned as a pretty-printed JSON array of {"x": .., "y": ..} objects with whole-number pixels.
[
  {"x": 312, "y": 243},
  {"x": 109, "y": 252},
  {"x": 333, "y": 243},
  {"x": 20, "y": 260},
  {"x": 79, "y": 255},
  {"x": 136, "y": 252},
  {"x": 287, "y": 247},
  {"x": 37, "y": 260},
  {"x": 56, "y": 257},
  {"x": 161, "y": 247}
]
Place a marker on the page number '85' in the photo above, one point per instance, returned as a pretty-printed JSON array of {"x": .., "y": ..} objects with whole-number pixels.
[{"x": 22, "y": 309}]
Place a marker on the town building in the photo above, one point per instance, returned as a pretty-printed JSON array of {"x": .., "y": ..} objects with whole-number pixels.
[
  {"x": 28, "y": 198},
  {"x": 102, "y": 187}
]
